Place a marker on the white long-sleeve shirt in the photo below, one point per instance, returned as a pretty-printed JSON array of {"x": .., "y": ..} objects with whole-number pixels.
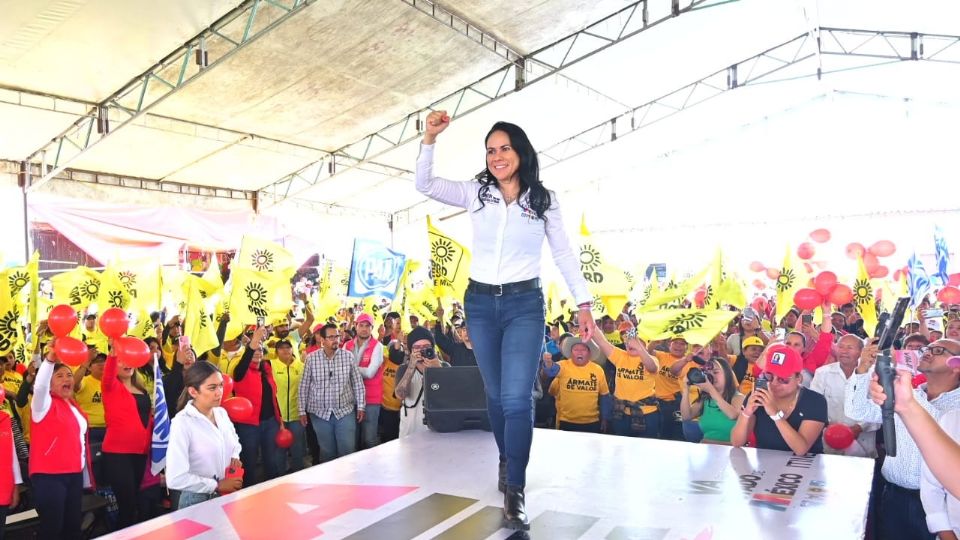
[
  {"x": 830, "y": 381},
  {"x": 943, "y": 509},
  {"x": 507, "y": 240},
  {"x": 200, "y": 452},
  {"x": 376, "y": 357},
  {"x": 904, "y": 469},
  {"x": 40, "y": 406}
]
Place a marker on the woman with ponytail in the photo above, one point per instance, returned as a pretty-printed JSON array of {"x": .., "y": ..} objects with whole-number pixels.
[{"x": 203, "y": 458}]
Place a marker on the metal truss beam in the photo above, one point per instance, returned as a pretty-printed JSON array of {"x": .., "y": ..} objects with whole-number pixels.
[
  {"x": 758, "y": 69},
  {"x": 231, "y": 33},
  {"x": 528, "y": 69}
]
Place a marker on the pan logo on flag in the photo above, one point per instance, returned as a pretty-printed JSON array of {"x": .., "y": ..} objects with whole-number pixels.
[
  {"x": 18, "y": 280},
  {"x": 262, "y": 260},
  {"x": 862, "y": 291},
  {"x": 375, "y": 269},
  {"x": 778, "y": 358},
  {"x": 786, "y": 279}
]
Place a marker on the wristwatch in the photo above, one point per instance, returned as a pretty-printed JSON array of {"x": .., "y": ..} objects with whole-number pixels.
[{"x": 777, "y": 417}]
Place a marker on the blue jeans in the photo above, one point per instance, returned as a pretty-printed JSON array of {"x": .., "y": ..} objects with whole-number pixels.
[
  {"x": 259, "y": 441},
  {"x": 190, "y": 498},
  {"x": 692, "y": 431},
  {"x": 370, "y": 427},
  {"x": 336, "y": 438},
  {"x": 508, "y": 335},
  {"x": 651, "y": 426},
  {"x": 297, "y": 450}
]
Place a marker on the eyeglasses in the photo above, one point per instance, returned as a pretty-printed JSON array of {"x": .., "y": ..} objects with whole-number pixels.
[
  {"x": 937, "y": 351},
  {"x": 334, "y": 336},
  {"x": 770, "y": 377}
]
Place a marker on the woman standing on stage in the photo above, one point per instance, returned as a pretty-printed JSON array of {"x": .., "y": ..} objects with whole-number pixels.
[{"x": 511, "y": 213}]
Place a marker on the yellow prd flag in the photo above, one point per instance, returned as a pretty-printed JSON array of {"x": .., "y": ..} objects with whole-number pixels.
[
  {"x": 399, "y": 299},
  {"x": 33, "y": 268},
  {"x": 697, "y": 326},
  {"x": 113, "y": 290},
  {"x": 174, "y": 299},
  {"x": 652, "y": 290},
  {"x": 606, "y": 282},
  {"x": 554, "y": 308},
  {"x": 332, "y": 291},
  {"x": 77, "y": 288},
  {"x": 198, "y": 324},
  {"x": 793, "y": 277},
  {"x": 674, "y": 292},
  {"x": 725, "y": 288},
  {"x": 141, "y": 279},
  {"x": 864, "y": 299},
  {"x": 255, "y": 295},
  {"x": 450, "y": 268},
  {"x": 11, "y": 330},
  {"x": 265, "y": 256}
]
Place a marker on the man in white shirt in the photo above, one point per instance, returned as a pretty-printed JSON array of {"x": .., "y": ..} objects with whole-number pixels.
[
  {"x": 901, "y": 513},
  {"x": 831, "y": 381},
  {"x": 932, "y": 492}
]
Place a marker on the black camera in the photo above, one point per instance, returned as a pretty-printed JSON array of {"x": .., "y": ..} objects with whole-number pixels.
[
  {"x": 428, "y": 354},
  {"x": 696, "y": 376}
]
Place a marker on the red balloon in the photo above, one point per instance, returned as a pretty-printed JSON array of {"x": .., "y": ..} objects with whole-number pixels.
[
  {"x": 757, "y": 266},
  {"x": 883, "y": 248},
  {"x": 949, "y": 295},
  {"x": 838, "y": 436},
  {"x": 61, "y": 320},
  {"x": 880, "y": 272},
  {"x": 841, "y": 294},
  {"x": 131, "y": 351},
  {"x": 700, "y": 297},
  {"x": 773, "y": 273},
  {"x": 897, "y": 274},
  {"x": 21, "y": 368},
  {"x": 71, "y": 351},
  {"x": 760, "y": 304},
  {"x": 284, "y": 438},
  {"x": 759, "y": 284},
  {"x": 855, "y": 250},
  {"x": 227, "y": 385},
  {"x": 238, "y": 408},
  {"x": 825, "y": 282},
  {"x": 807, "y": 299},
  {"x": 806, "y": 251},
  {"x": 809, "y": 268},
  {"x": 954, "y": 280},
  {"x": 820, "y": 236},
  {"x": 870, "y": 262},
  {"x": 114, "y": 323}
]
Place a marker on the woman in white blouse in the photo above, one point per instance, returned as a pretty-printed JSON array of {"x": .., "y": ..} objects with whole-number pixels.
[
  {"x": 203, "y": 457},
  {"x": 511, "y": 212}
]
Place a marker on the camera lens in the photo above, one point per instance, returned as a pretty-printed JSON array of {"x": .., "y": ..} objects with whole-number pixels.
[
  {"x": 427, "y": 353},
  {"x": 696, "y": 376}
]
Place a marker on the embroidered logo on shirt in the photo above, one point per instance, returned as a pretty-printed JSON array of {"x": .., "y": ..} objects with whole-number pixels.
[{"x": 486, "y": 197}]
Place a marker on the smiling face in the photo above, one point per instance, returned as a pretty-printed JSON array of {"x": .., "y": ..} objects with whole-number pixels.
[{"x": 502, "y": 160}]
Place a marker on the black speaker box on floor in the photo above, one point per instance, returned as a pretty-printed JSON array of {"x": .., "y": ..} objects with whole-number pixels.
[{"x": 454, "y": 399}]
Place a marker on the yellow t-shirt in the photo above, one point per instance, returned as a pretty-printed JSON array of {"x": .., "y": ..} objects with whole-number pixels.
[
  {"x": 578, "y": 390},
  {"x": 11, "y": 383},
  {"x": 169, "y": 353},
  {"x": 288, "y": 387},
  {"x": 614, "y": 338},
  {"x": 633, "y": 381},
  {"x": 746, "y": 385},
  {"x": 389, "y": 401},
  {"x": 90, "y": 399},
  {"x": 668, "y": 384}
]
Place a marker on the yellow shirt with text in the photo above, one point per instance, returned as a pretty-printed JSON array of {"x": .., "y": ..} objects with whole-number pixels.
[
  {"x": 578, "y": 390},
  {"x": 389, "y": 402},
  {"x": 668, "y": 384},
  {"x": 90, "y": 399},
  {"x": 633, "y": 381}
]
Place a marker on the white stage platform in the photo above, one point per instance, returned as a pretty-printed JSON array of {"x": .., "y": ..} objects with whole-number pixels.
[{"x": 444, "y": 486}]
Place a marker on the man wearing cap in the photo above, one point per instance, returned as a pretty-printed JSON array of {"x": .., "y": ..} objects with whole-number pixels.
[
  {"x": 784, "y": 415},
  {"x": 331, "y": 389},
  {"x": 409, "y": 388},
  {"x": 667, "y": 385},
  {"x": 368, "y": 355},
  {"x": 459, "y": 348},
  {"x": 580, "y": 388},
  {"x": 905, "y": 511},
  {"x": 287, "y": 373},
  {"x": 831, "y": 381}
]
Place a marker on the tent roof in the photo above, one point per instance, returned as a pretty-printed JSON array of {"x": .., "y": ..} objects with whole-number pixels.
[{"x": 334, "y": 72}]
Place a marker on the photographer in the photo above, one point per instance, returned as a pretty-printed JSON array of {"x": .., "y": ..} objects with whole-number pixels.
[
  {"x": 792, "y": 417},
  {"x": 718, "y": 402},
  {"x": 409, "y": 387}
]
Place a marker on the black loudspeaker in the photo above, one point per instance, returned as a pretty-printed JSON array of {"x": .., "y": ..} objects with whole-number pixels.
[{"x": 454, "y": 399}]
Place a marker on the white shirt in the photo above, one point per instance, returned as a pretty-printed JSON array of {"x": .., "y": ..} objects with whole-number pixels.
[
  {"x": 376, "y": 358},
  {"x": 411, "y": 413},
  {"x": 200, "y": 452},
  {"x": 40, "y": 406},
  {"x": 830, "y": 381},
  {"x": 904, "y": 469},
  {"x": 943, "y": 509},
  {"x": 507, "y": 240}
]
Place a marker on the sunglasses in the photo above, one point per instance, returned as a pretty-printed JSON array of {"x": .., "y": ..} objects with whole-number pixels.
[
  {"x": 770, "y": 377},
  {"x": 937, "y": 351}
]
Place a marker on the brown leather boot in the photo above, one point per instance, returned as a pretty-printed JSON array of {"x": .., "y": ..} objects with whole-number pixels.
[{"x": 514, "y": 511}]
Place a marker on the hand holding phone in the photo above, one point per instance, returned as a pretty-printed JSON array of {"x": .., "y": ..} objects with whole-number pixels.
[{"x": 761, "y": 383}]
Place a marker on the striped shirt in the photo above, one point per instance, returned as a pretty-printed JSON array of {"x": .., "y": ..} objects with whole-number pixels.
[
  {"x": 904, "y": 469},
  {"x": 331, "y": 386}
]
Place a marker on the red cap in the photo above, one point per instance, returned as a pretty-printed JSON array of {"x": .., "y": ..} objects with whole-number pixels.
[
  {"x": 783, "y": 361},
  {"x": 365, "y": 318}
]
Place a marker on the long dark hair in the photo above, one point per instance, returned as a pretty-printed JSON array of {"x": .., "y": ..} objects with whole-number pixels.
[
  {"x": 731, "y": 385},
  {"x": 529, "y": 170},
  {"x": 193, "y": 378}
]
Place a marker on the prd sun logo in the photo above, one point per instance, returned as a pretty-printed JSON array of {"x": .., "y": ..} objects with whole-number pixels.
[
  {"x": 262, "y": 260},
  {"x": 685, "y": 322},
  {"x": 8, "y": 324},
  {"x": 862, "y": 291},
  {"x": 442, "y": 251},
  {"x": 589, "y": 259},
  {"x": 115, "y": 299},
  {"x": 786, "y": 279},
  {"x": 17, "y": 280},
  {"x": 89, "y": 289},
  {"x": 129, "y": 280}
]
